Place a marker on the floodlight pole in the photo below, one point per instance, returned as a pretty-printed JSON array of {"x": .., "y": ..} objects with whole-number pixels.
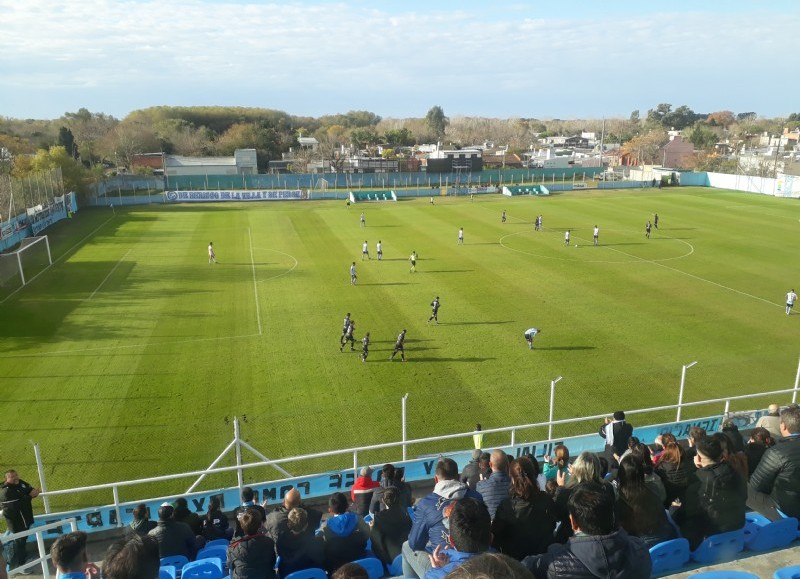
[
  {"x": 680, "y": 393},
  {"x": 552, "y": 402},
  {"x": 403, "y": 406}
]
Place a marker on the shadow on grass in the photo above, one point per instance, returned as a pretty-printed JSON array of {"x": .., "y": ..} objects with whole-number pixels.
[{"x": 565, "y": 348}]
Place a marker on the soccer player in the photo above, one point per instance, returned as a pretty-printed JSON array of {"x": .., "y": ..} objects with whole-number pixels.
[
  {"x": 566, "y": 237},
  {"x": 399, "y": 347},
  {"x": 434, "y": 311},
  {"x": 212, "y": 257},
  {"x": 431, "y": 200},
  {"x": 647, "y": 228},
  {"x": 530, "y": 334},
  {"x": 655, "y": 220},
  {"x": 365, "y": 250},
  {"x": 353, "y": 276},
  {"x": 349, "y": 337},
  {"x": 503, "y": 218},
  {"x": 461, "y": 236},
  {"x": 345, "y": 325},
  {"x": 365, "y": 347},
  {"x": 537, "y": 223},
  {"x": 413, "y": 260},
  {"x": 791, "y": 297},
  {"x": 363, "y": 221},
  {"x": 596, "y": 234}
]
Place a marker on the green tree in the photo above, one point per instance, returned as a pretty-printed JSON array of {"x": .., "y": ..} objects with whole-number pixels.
[
  {"x": 67, "y": 140},
  {"x": 364, "y": 137},
  {"x": 399, "y": 137},
  {"x": 75, "y": 176},
  {"x": 702, "y": 137},
  {"x": 437, "y": 122}
]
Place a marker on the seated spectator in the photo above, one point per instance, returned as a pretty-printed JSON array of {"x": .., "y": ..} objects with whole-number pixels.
[
  {"x": 771, "y": 421},
  {"x": 760, "y": 441},
  {"x": 298, "y": 548},
  {"x": 616, "y": 432},
  {"x": 715, "y": 499},
  {"x": 215, "y": 524},
  {"x": 651, "y": 477},
  {"x": 132, "y": 557},
  {"x": 472, "y": 473},
  {"x": 585, "y": 469},
  {"x": 345, "y": 534},
  {"x": 490, "y": 566},
  {"x": 350, "y": 571},
  {"x": 737, "y": 460},
  {"x": 253, "y": 555},
  {"x": 428, "y": 530},
  {"x": 141, "y": 523},
  {"x": 184, "y": 515},
  {"x": 362, "y": 490},
  {"x": 524, "y": 522},
  {"x": 390, "y": 527},
  {"x": 470, "y": 535},
  {"x": 248, "y": 500},
  {"x": 695, "y": 434},
  {"x": 675, "y": 469},
  {"x": 558, "y": 463},
  {"x": 775, "y": 483},
  {"x": 736, "y": 442},
  {"x": 276, "y": 522},
  {"x": 173, "y": 538},
  {"x": 599, "y": 548},
  {"x": 494, "y": 489},
  {"x": 391, "y": 478},
  {"x": 638, "y": 509},
  {"x": 69, "y": 555}
]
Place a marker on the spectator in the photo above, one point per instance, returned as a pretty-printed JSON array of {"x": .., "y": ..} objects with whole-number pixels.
[
  {"x": 490, "y": 566},
  {"x": 477, "y": 438},
  {"x": 470, "y": 535},
  {"x": 695, "y": 434},
  {"x": 16, "y": 498},
  {"x": 215, "y": 524},
  {"x": 737, "y": 460},
  {"x": 173, "y": 538},
  {"x": 771, "y": 421},
  {"x": 775, "y": 483},
  {"x": 472, "y": 473},
  {"x": 484, "y": 467},
  {"x": 345, "y": 534},
  {"x": 585, "y": 469},
  {"x": 298, "y": 548},
  {"x": 391, "y": 478},
  {"x": 276, "y": 522},
  {"x": 638, "y": 509},
  {"x": 350, "y": 571},
  {"x": 184, "y": 515},
  {"x": 524, "y": 522},
  {"x": 69, "y": 555},
  {"x": 760, "y": 441},
  {"x": 253, "y": 555},
  {"x": 675, "y": 469},
  {"x": 428, "y": 530},
  {"x": 362, "y": 490},
  {"x": 651, "y": 478},
  {"x": 132, "y": 557},
  {"x": 248, "y": 500},
  {"x": 557, "y": 464},
  {"x": 616, "y": 432},
  {"x": 494, "y": 489},
  {"x": 715, "y": 500},
  {"x": 599, "y": 548},
  {"x": 735, "y": 440},
  {"x": 661, "y": 442},
  {"x": 141, "y": 523},
  {"x": 390, "y": 527}
]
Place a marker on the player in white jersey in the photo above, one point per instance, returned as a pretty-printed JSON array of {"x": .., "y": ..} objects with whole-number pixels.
[
  {"x": 353, "y": 276},
  {"x": 530, "y": 334},
  {"x": 365, "y": 347},
  {"x": 413, "y": 260},
  {"x": 212, "y": 257},
  {"x": 461, "y": 236},
  {"x": 379, "y": 250},
  {"x": 345, "y": 326},
  {"x": 349, "y": 337},
  {"x": 566, "y": 237},
  {"x": 365, "y": 250},
  {"x": 596, "y": 234},
  {"x": 791, "y": 297},
  {"x": 363, "y": 221}
]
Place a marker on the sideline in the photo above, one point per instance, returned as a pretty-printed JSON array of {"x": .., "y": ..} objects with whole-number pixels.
[
  {"x": 113, "y": 269},
  {"x": 255, "y": 282}
]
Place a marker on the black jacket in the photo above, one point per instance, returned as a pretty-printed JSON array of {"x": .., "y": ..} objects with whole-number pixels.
[
  {"x": 184, "y": 515},
  {"x": 471, "y": 474},
  {"x": 142, "y": 526},
  {"x": 676, "y": 477},
  {"x": 614, "y": 556},
  {"x": 402, "y": 488},
  {"x": 298, "y": 552},
  {"x": 215, "y": 525},
  {"x": 239, "y": 511},
  {"x": 276, "y": 523},
  {"x": 252, "y": 557},
  {"x": 15, "y": 501},
  {"x": 521, "y": 528},
  {"x": 389, "y": 532},
  {"x": 622, "y": 434},
  {"x": 778, "y": 474},
  {"x": 644, "y": 516},
  {"x": 174, "y": 538}
]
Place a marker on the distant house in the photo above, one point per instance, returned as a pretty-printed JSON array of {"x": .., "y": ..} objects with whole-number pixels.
[
  {"x": 677, "y": 152},
  {"x": 243, "y": 162},
  {"x": 154, "y": 161},
  {"x": 500, "y": 158},
  {"x": 308, "y": 143}
]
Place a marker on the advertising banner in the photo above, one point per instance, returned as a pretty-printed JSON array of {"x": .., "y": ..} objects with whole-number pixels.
[{"x": 213, "y": 196}]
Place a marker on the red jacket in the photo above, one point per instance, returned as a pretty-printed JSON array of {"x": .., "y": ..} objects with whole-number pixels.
[{"x": 361, "y": 493}]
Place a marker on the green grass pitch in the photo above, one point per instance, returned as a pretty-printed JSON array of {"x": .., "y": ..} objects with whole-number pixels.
[{"x": 129, "y": 355}]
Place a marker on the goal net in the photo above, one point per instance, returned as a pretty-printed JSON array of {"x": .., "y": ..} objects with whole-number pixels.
[{"x": 19, "y": 268}]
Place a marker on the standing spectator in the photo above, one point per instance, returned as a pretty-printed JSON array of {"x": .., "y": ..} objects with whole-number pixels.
[
  {"x": 616, "y": 432},
  {"x": 69, "y": 555},
  {"x": 715, "y": 501},
  {"x": 638, "y": 509},
  {"x": 391, "y": 478},
  {"x": 775, "y": 483},
  {"x": 494, "y": 489},
  {"x": 16, "y": 498},
  {"x": 276, "y": 522},
  {"x": 675, "y": 468},
  {"x": 141, "y": 523},
  {"x": 471, "y": 473},
  {"x": 215, "y": 524},
  {"x": 132, "y": 557},
  {"x": 173, "y": 538},
  {"x": 345, "y": 534},
  {"x": 362, "y": 490},
  {"x": 599, "y": 548},
  {"x": 184, "y": 515},
  {"x": 390, "y": 527},
  {"x": 248, "y": 500},
  {"x": 298, "y": 548},
  {"x": 557, "y": 464},
  {"x": 771, "y": 421},
  {"x": 253, "y": 555},
  {"x": 760, "y": 441},
  {"x": 470, "y": 535},
  {"x": 524, "y": 523}
]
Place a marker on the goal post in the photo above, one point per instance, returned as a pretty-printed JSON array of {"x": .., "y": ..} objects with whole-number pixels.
[{"x": 18, "y": 268}]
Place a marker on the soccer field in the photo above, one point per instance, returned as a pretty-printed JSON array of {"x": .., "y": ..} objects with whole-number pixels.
[{"x": 131, "y": 354}]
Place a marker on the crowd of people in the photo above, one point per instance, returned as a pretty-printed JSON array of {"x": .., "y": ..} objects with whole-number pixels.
[{"x": 596, "y": 514}]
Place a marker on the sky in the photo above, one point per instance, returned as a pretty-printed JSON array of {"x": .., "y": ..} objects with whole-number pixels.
[{"x": 568, "y": 60}]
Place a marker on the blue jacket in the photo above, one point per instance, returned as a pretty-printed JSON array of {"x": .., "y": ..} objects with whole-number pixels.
[
  {"x": 456, "y": 558},
  {"x": 428, "y": 530},
  {"x": 494, "y": 490}
]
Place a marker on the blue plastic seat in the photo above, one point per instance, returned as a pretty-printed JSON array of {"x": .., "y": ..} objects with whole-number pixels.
[
  {"x": 792, "y": 572},
  {"x": 373, "y": 566},
  {"x": 214, "y": 552},
  {"x": 761, "y": 534},
  {"x": 725, "y": 574},
  {"x": 177, "y": 561},
  {"x": 396, "y": 568},
  {"x": 210, "y": 568},
  {"x": 217, "y": 543},
  {"x": 167, "y": 572},
  {"x": 669, "y": 556},
  {"x": 312, "y": 573},
  {"x": 720, "y": 547}
]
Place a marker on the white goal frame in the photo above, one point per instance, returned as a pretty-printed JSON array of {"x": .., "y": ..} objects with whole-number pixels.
[{"x": 25, "y": 245}]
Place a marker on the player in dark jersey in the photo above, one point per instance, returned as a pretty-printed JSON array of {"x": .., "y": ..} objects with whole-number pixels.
[
  {"x": 434, "y": 311},
  {"x": 399, "y": 346},
  {"x": 647, "y": 230},
  {"x": 503, "y": 218},
  {"x": 349, "y": 337},
  {"x": 365, "y": 347}
]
